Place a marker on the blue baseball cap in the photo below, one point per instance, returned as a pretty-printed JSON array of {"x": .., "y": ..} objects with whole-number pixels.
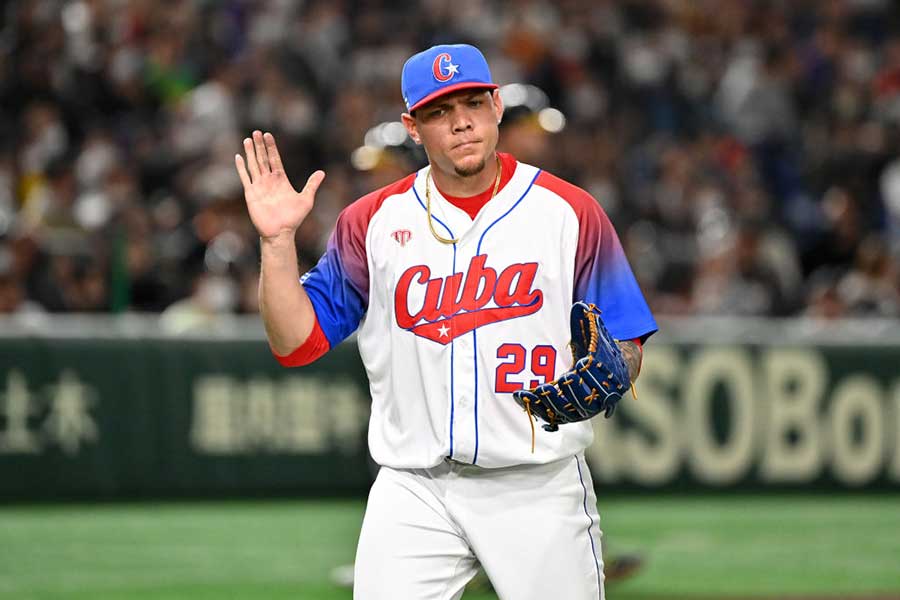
[{"x": 441, "y": 70}]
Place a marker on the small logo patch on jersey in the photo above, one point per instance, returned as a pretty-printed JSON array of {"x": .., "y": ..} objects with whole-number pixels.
[
  {"x": 443, "y": 68},
  {"x": 453, "y": 306},
  {"x": 402, "y": 236}
]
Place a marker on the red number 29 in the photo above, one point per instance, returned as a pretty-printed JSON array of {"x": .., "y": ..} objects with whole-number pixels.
[{"x": 543, "y": 365}]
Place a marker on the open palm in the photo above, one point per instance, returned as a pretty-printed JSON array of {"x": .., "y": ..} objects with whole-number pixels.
[{"x": 274, "y": 205}]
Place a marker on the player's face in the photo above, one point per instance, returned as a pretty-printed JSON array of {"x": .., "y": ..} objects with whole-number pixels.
[{"x": 459, "y": 130}]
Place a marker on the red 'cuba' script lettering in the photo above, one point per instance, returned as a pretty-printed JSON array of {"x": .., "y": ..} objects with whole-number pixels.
[{"x": 454, "y": 306}]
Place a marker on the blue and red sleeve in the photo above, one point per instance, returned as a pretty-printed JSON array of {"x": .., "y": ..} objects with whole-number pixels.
[
  {"x": 338, "y": 286},
  {"x": 602, "y": 274},
  {"x": 309, "y": 351}
]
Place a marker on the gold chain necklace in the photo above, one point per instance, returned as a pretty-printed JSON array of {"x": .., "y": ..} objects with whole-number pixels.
[{"x": 436, "y": 235}]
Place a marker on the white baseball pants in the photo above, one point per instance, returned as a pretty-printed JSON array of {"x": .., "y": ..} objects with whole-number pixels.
[{"x": 534, "y": 528}]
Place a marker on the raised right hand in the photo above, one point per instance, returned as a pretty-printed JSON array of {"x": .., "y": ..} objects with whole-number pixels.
[{"x": 275, "y": 207}]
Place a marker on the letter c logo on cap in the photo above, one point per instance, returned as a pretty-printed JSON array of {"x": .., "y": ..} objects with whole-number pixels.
[{"x": 443, "y": 67}]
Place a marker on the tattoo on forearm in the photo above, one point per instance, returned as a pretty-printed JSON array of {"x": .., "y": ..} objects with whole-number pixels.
[{"x": 631, "y": 352}]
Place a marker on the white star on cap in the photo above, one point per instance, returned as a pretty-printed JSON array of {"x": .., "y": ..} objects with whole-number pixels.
[
  {"x": 452, "y": 69},
  {"x": 443, "y": 329}
]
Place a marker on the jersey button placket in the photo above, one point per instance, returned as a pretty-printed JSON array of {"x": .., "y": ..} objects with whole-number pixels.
[{"x": 464, "y": 389}]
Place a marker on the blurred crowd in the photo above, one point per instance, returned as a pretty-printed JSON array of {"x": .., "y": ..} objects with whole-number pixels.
[{"x": 747, "y": 151}]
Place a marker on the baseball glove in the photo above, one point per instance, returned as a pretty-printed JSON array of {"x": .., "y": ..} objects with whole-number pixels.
[{"x": 595, "y": 383}]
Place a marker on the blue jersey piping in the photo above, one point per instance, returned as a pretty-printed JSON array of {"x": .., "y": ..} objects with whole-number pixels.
[
  {"x": 474, "y": 335},
  {"x": 452, "y": 386}
]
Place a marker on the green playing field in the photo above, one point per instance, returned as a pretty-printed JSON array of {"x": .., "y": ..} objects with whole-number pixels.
[{"x": 695, "y": 547}]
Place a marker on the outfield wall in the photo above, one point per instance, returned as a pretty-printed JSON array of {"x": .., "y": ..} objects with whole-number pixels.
[{"x": 115, "y": 408}]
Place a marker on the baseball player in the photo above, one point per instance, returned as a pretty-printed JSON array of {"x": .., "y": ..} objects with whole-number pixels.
[{"x": 460, "y": 279}]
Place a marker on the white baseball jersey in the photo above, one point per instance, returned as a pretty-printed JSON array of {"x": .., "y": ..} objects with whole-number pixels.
[{"x": 448, "y": 331}]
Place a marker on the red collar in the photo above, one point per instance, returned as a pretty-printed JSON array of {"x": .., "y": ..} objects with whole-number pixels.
[{"x": 473, "y": 204}]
